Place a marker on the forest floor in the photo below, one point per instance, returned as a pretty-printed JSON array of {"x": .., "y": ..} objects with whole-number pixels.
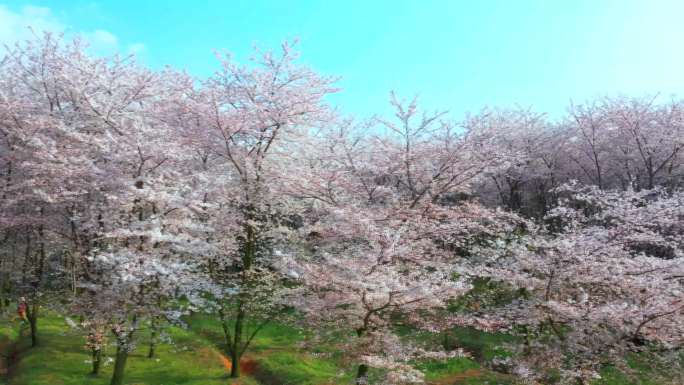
[{"x": 194, "y": 356}]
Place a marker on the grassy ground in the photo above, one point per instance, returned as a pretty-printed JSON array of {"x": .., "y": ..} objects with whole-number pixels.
[
  {"x": 276, "y": 358},
  {"x": 645, "y": 370},
  {"x": 60, "y": 359},
  {"x": 195, "y": 357},
  {"x": 280, "y": 360},
  {"x": 8, "y": 336}
]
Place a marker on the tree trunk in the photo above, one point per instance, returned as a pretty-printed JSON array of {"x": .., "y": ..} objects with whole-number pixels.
[
  {"x": 33, "y": 322},
  {"x": 153, "y": 339},
  {"x": 32, "y": 316},
  {"x": 97, "y": 361},
  {"x": 119, "y": 363},
  {"x": 151, "y": 352},
  {"x": 651, "y": 180},
  {"x": 234, "y": 364},
  {"x": 362, "y": 375},
  {"x": 235, "y": 352},
  {"x": 248, "y": 256}
]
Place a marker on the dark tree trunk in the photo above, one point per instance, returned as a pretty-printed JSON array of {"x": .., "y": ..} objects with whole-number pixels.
[
  {"x": 362, "y": 371},
  {"x": 236, "y": 350},
  {"x": 362, "y": 375},
  {"x": 32, "y": 316},
  {"x": 234, "y": 364},
  {"x": 153, "y": 339},
  {"x": 119, "y": 364},
  {"x": 97, "y": 361},
  {"x": 152, "y": 351},
  {"x": 33, "y": 322}
]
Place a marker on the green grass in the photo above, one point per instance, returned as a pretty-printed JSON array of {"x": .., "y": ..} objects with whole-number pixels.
[
  {"x": 8, "y": 337},
  {"x": 194, "y": 358},
  {"x": 277, "y": 355},
  {"x": 287, "y": 368},
  {"x": 646, "y": 370},
  {"x": 483, "y": 346},
  {"x": 435, "y": 369},
  {"x": 480, "y": 345},
  {"x": 60, "y": 359},
  {"x": 612, "y": 376},
  {"x": 271, "y": 336},
  {"x": 282, "y": 362}
]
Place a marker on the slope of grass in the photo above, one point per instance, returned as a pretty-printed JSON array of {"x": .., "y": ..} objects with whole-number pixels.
[
  {"x": 195, "y": 358},
  {"x": 8, "y": 338},
  {"x": 299, "y": 369},
  {"x": 277, "y": 358},
  {"x": 280, "y": 360},
  {"x": 436, "y": 369},
  {"x": 645, "y": 370},
  {"x": 481, "y": 345},
  {"x": 61, "y": 359},
  {"x": 271, "y": 336}
]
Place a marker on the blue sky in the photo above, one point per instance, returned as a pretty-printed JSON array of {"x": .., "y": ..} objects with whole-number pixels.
[{"x": 457, "y": 55}]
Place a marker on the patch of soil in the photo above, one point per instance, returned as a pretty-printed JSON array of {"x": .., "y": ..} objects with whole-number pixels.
[
  {"x": 225, "y": 361},
  {"x": 247, "y": 365}
]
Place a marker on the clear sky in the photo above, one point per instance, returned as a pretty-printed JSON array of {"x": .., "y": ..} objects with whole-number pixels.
[{"x": 457, "y": 55}]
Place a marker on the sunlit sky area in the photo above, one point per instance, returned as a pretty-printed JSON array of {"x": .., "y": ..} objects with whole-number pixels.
[{"x": 457, "y": 55}]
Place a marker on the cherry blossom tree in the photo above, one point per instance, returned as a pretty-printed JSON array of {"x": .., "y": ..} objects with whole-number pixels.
[
  {"x": 241, "y": 121},
  {"x": 537, "y": 161},
  {"x": 388, "y": 217},
  {"x": 606, "y": 280},
  {"x": 38, "y": 154},
  {"x": 608, "y": 142},
  {"x": 107, "y": 179},
  {"x": 650, "y": 139}
]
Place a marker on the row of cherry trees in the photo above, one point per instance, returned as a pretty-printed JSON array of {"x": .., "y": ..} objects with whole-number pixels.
[
  {"x": 130, "y": 197},
  {"x": 612, "y": 143}
]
